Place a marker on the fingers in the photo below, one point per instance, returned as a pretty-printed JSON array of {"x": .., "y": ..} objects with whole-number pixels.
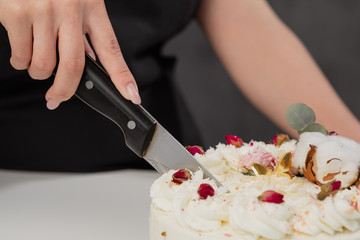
[
  {"x": 88, "y": 49},
  {"x": 33, "y": 37},
  {"x": 107, "y": 48},
  {"x": 20, "y": 38},
  {"x": 71, "y": 63},
  {"x": 43, "y": 59}
]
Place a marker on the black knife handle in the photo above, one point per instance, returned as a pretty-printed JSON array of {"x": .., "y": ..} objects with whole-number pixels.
[{"x": 98, "y": 91}]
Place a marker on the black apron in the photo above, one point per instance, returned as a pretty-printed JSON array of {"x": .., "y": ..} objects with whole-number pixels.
[{"x": 75, "y": 137}]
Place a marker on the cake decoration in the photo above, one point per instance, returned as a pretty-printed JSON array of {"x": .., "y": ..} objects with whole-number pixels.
[
  {"x": 302, "y": 118},
  {"x": 328, "y": 189},
  {"x": 280, "y": 139},
  {"x": 205, "y": 190},
  {"x": 195, "y": 149},
  {"x": 325, "y": 158},
  {"x": 282, "y": 169},
  {"x": 287, "y": 189},
  {"x": 234, "y": 140},
  {"x": 180, "y": 176},
  {"x": 271, "y": 196}
]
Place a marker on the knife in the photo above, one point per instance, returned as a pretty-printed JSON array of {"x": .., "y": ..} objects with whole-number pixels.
[{"x": 143, "y": 134}]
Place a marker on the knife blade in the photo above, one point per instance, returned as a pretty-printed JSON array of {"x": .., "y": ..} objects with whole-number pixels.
[{"x": 143, "y": 134}]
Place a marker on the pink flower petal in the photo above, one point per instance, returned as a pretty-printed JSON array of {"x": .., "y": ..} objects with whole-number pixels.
[{"x": 258, "y": 156}]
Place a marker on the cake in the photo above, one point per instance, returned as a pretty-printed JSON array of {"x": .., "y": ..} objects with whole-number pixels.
[{"x": 285, "y": 189}]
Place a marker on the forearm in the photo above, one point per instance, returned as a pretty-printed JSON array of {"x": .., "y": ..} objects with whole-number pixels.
[{"x": 270, "y": 65}]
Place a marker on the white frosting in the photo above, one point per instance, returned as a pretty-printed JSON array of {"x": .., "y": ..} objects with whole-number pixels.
[
  {"x": 257, "y": 218},
  {"x": 178, "y": 212}
]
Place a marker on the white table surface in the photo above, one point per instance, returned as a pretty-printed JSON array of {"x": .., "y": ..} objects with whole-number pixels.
[{"x": 96, "y": 206}]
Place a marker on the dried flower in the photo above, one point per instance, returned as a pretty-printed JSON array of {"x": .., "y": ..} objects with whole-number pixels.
[
  {"x": 333, "y": 133},
  {"x": 335, "y": 186},
  {"x": 271, "y": 196},
  {"x": 258, "y": 156},
  {"x": 195, "y": 149},
  {"x": 234, "y": 140},
  {"x": 180, "y": 176},
  {"x": 328, "y": 189},
  {"x": 205, "y": 190},
  {"x": 280, "y": 139}
]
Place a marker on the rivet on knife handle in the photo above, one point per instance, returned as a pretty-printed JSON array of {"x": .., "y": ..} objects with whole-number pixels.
[{"x": 97, "y": 90}]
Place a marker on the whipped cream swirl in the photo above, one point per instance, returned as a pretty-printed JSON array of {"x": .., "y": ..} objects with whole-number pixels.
[
  {"x": 241, "y": 213},
  {"x": 258, "y": 218}
]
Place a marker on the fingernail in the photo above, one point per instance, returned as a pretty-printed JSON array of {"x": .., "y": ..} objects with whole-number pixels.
[
  {"x": 52, "y": 104},
  {"x": 133, "y": 93}
]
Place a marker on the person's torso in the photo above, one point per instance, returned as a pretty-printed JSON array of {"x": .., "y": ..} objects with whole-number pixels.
[{"x": 74, "y": 137}]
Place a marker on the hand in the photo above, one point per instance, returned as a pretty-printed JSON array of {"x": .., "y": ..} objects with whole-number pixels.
[{"x": 35, "y": 27}]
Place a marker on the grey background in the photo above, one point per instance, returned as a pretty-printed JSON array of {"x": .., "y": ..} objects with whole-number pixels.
[{"x": 330, "y": 29}]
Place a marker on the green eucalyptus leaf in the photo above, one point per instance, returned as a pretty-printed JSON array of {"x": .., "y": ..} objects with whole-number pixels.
[
  {"x": 299, "y": 115},
  {"x": 315, "y": 127}
]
